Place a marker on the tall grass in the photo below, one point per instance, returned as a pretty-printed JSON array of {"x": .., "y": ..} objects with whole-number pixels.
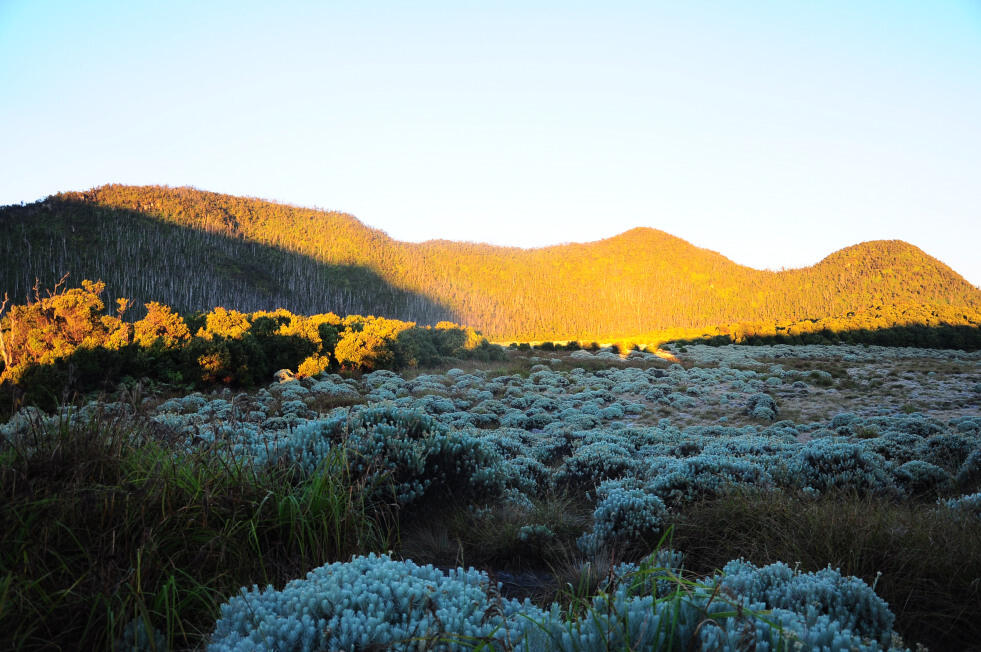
[
  {"x": 103, "y": 523},
  {"x": 590, "y": 611},
  {"x": 923, "y": 561}
]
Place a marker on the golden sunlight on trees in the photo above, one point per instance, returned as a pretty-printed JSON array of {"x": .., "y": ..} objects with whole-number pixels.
[
  {"x": 920, "y": 326},
  {"x": 250, "y": 254},
  {"x": 224, "y": 323},
  {"x": 64, "y": 341},
  {"x": 48, "y": 328},
  {"x": 365, "y": 342},
  {"x": 160, "y": 324}
]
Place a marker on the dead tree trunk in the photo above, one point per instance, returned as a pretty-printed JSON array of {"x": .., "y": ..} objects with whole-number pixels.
[{"x": 3, "y": 345}]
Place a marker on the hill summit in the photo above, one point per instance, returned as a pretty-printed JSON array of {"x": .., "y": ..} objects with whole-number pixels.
[{"x": 195, "y": 250}]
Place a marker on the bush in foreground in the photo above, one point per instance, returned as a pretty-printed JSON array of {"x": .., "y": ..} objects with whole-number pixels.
[{"x": 376, "y": 602}]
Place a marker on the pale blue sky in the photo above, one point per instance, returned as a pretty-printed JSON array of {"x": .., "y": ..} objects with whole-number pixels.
[{"x": 772, "y": 132}]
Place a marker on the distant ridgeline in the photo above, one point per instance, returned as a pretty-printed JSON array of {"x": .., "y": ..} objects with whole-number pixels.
[
  {"x": 194, "y": 250},
  {"x": 64, "y": 342}
]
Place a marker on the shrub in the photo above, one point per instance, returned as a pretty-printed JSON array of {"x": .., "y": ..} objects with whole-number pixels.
[
  {"x": 921, "y": 478},
  {"x": 591, "y": 464},
  {"x": 50, "y": 328},
  {"x": 969, "y": 474},
  {"x": 417, "y": 455},
  {"x": 368, "y": 343},
  {"x": 313, "y": 365},
  {"x": 694, "y": 616},
  {"x": 371, "y": 602},
  {"x": 225, "y": 323},
  {"x": 161, "y": 325},
  {"x": 823, "y": 465},
  {"x": 968, "y": 505},
  {"x": 375, "y": 602},
  {"x": 416, "y": 346},
  {"x": 848, "y": 601},
  {"x": 820, "y": 378},
  {"x": 626, "y": 516},
  {"x": 947, "y": 450},
  {"x": 761, "y": 406}
]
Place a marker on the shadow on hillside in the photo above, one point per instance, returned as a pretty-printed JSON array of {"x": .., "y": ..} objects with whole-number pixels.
[{"x": 145, "y": 259}]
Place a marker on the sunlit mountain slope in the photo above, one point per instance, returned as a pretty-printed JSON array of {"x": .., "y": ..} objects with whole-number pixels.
[{"x": 194, "y": 250}]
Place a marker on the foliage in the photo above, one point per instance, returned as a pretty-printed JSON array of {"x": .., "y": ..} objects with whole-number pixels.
[
  {"x": 922, "y": 560},
  {"x": 248, "y": 253},
  {"x": 113, "y": 535},
  {"x": 161, "y": 327},
  {"x": 916, "y": 325},
  {"x": 367, "y": 343},
  {"x": 968, "y": 505},
  {"x": 377, "y": 602},
  {"x": 847, "y": 600},
  {"x": 371, "y": 602},
  {"x": 62, "y": 343},
  {"x": 509, "y": 466},
  {"x": 762, "y": 406},
  {"x": 51, "y": 327},
  {"x": 625, "y": 516},
  {"x": 415, "y": 455}
]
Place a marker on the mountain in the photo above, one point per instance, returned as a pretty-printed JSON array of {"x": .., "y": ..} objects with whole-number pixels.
[{"x": 194, "y": 250}]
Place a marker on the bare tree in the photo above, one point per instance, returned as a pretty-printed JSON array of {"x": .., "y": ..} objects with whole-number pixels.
[{"x": 3, "y": 345}]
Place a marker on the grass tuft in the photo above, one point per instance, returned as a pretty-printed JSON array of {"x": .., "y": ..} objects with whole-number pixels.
[
  {"x": 105, "y": 526},
  {"x": 921, "y": 560}
]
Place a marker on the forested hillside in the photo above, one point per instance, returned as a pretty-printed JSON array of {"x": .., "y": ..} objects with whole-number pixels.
[{"x": 195, "y": 250}]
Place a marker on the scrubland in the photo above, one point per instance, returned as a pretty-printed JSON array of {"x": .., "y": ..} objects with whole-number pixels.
[
  {"x": 771, "y": 497},
  {"x": 406, "y": 484}
]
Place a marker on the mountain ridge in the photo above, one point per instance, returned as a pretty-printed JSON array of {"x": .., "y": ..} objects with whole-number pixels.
[{"x": 641, "y": 280}]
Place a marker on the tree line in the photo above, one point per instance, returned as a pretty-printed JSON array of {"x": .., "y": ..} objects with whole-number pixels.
[{"x": 64, "y": 342}]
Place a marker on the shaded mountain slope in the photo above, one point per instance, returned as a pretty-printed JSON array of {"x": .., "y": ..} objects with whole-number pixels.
[
  {"x": 146, "y": 258},
  {"x": 640, "y": 281}
]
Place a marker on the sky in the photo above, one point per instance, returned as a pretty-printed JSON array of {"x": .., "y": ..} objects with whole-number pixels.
[{"x": 772, "y": 132}]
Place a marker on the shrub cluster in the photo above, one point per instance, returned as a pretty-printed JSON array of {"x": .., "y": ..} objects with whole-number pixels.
[
  {"x": 919, "y": 326},
  {"x": 64, "y": 343},
  {"x": 515, "y": 440},
  {"x": 968, "y": 505},
  {"x": 408, "y": 450},
  {"x": 376, "y": 602},
  {"x": 573, "y": 430},
  {"x": 626, "y": 515}
]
